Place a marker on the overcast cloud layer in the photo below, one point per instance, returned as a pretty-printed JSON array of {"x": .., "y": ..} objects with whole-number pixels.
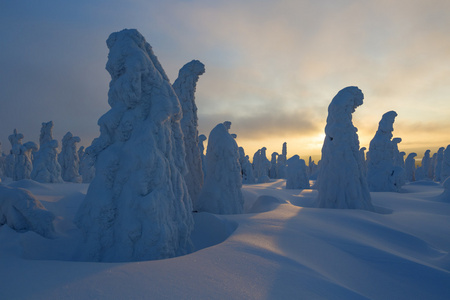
[{"x": 272, "y": 67}]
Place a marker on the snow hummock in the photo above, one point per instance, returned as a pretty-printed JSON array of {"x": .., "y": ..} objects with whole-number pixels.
[
  {"x": 341, "y": 182},
  {"x": 21, "y": 211},
  {"x": 185, "y": 86},
  {"x": 137, "y": 207},
  {"x": 221, "y": 193},
  {"x": 383, "y": 173},
  {"x": 46, "y": 167}
]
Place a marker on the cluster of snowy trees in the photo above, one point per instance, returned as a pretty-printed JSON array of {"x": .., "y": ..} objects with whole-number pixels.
[
  {"x": 44, "y": 163},
  {"x": 148, "y": 170}
]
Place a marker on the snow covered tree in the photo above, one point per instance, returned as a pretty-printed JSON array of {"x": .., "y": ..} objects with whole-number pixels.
[
  {"x": 422, "y": 172},
  {"x": 273, "y": 166},
  {"x": 445, "y": 172},
  {"x": 297, "y": 177},
  {"x": 137, "y": 206},
  {"x": 21, "y": 211},
  {"x": 185, "y": 86},
  {"x": 46, "y": 168},
  {"x": 398, "y": 157},
  {"x": 87, "y": 168},
  {"x": 261, "y": 166},
  {"x": 382, "y": 174},
  {"x": 16, "y": 142},
  {"x": 246, "y": 167},
  {"x": 341, "y": 182},
  {"x": 23, "y": 165},
  {"x": 410, "y": 167},
  {"x": 281, "y": 162},
  {"x": 69, "y": 160},
  {"x": 438, "y": 164},
  {"x": 221, "y": 193}
]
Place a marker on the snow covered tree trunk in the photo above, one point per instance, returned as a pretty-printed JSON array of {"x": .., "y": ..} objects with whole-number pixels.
[
  {"x": 410, "y": 167},
  {"x": 297, "y": 177},
  {"x": 382, "y": 174},
  {"x": 137, "y": 207},
  {"x": 45, "y": 165},
  {"x": 68, "y": 159},
  {"x": 341, "y": 182},
  {"x": 185, "y": 87},
  {"x": 221, "y": 193}
]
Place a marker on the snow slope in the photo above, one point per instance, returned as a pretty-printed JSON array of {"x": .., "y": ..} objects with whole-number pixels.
[{"x": 281, "y": 248}]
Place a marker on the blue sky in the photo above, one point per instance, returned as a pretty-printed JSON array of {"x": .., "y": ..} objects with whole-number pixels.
[{"x": 272, "y": 67}]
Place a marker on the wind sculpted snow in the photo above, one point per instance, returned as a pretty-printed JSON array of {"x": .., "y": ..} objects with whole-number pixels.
[{"x": 137, "y": 207}]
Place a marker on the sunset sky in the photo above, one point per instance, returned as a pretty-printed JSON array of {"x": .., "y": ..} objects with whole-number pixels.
[{"x": 272, "y": 67}]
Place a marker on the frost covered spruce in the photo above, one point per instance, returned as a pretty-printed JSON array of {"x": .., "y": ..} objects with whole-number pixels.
[
  {"x": 382, "y": 174},
  {"x": 137, "y": 207},
  {"x": 410, "y": 167},
  {"x": 184, "y": 87},
  {"x": 68, "y": 158},
  {"x": 221, "y": 193},
  {"x": 341, "y": 182},
  {"x": 46, "y": 168},
  {"x": 261, "y": 166},
  {"x": 297, "y": 177}
]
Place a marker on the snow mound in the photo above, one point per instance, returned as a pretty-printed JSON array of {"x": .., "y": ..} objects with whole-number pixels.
[
  {"x": 21, "y": 211},
  {"x": 29, "y": 184},
  {"x": 265, "y": 203}
]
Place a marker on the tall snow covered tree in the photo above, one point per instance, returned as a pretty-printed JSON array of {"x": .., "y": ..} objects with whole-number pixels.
[
  {"x": 410, "y": 167},
  {"x": 297, "y": 177},
  {"x": 46, "y": 168},
  {"x": 341, "y": 182},
  {"x": 382, "y": 174},
  {"x": 221, "y": 193},
  {"x": 185, "y": 86},
  {"x": 137, "y": 207}
]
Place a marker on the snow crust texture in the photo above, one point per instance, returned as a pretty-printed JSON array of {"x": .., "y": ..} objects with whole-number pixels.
[
  {"x": 221, "y": 193},
  {"x": 185, "y": 87},
  {"x": 341, "y": 182},
  {"x": 137, "y": 207},
  {"x": 21, "y": 211},
  {"x": 46, "y": 168},
  {"x": 383, "y": 173}
]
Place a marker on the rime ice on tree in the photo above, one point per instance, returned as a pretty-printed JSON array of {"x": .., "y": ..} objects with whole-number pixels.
[
  {"x": 445, "y": 172},
  {"x": 68, "y": 158},
  {"x": 16, "y": 142},
  {"x": 281, "y": 162},
  {"x": 341, "y": 182},
  {"x": 46, "y": 168},
  {"x": 137, "y": 207},
  {"x": 246, "y": 167},
  {"x": 382, "y": 174},
  {"x": 398, "y": 156},
  {"x": 410, "y": 167},
  {"x": 221, "y": 193},
  {"x": 23, "y": 165},
  {"x": 297, "y": 178},
  {"x": 273, "y": 166},
  {"x": 438, "y": 164},
  {"x": 422, "y": 172},
  {"x": 184, "y": 87},
  {"x": 87, "y": 161},
  {"x": 261, "y": 166}
]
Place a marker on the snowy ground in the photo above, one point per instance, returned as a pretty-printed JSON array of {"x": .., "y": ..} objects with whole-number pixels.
[{"x": 280, "y": 249}]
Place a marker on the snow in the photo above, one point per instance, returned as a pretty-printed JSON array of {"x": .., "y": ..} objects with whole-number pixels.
[
  {"x": 137, "y": 206},
  {"x": 185, "y": 86},
  {"x": 280, "y": 248},
  {"x": 68, "y": 158},
  {"x": 297, "y": 177},
  {"x": 221, "y": 193},
  {"x": 341, "y": 182}
]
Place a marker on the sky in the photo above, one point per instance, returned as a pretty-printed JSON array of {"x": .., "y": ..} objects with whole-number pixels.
[{"x": 272, "y": 67}]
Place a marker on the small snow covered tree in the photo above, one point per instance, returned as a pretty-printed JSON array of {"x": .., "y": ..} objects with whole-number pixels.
[
  {"x": 438, "y": 164},
  {"x": 23, "y": 165},
  {"x": 281, "y": 162},
  {"x": 382, "y": 174},
  {"x": 261, "y": 166},
  {"x": 69, "y": 160},
  {"x": 21, "y": 211},
  {"x": 16, "y": 142},
  {"x": 273, "y": 166},
  {"x": 46, "y": 168},
  {"x": 297, "y": 177},
  {"x": 410, "y": 167},
  {"x": 445, "y": 172},
  {"x": 185, "y": 86},
  {"x": 221, "y": 193},
  {"x": 341, "y": 182},
  {"x": 137, "y": 206},
  {"x": 246, "y": 167}
]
